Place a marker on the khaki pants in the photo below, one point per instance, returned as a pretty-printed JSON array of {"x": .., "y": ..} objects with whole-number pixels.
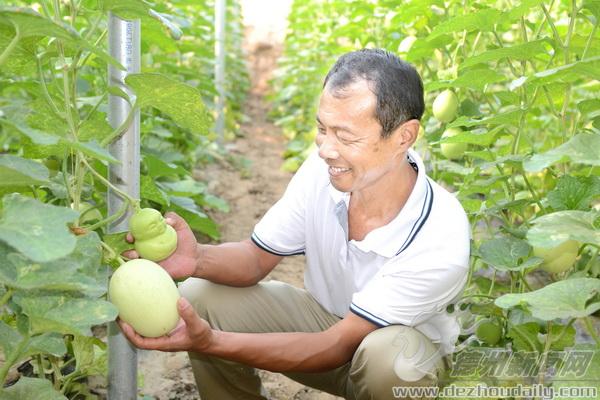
[{"x": 382, "y": 359}]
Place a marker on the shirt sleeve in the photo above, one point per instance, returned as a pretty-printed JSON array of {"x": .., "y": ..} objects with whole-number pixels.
[
  {"x": 409, "y": 295},
  {"x": 281, "y": 230}
]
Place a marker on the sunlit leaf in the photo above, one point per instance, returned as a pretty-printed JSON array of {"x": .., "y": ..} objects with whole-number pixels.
[
  {"x": 181, "y": 102},
  {"x": 570, "y": 298},
  {"x": 580, "y": 149},
  {"x": 574, "y": 193},
  {"x": 37, "y": 230},
  {"x": 552, "y": 229},
  {"x": 481, "y": 20},
  {"x": 17, "y": 171},
  {"x": 64, "y": 314},
  {"x": 31, "y": 388},
  {"x": 523, "y": 51}
]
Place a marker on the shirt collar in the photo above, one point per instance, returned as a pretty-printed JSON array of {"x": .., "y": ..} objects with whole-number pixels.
[{"x": 395, "y": 237}]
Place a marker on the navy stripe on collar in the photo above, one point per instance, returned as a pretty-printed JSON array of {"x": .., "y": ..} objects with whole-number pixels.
[
  {"x": 425, "y": 211},
  {"x": 257, "y": 241}
]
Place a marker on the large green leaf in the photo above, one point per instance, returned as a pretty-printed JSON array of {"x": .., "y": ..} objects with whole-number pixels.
[
  {"x": 181, "y": 102},
  {"x": 507, "y": 253},
  {"x": 570, "y": 298},
  {"x": 574, "y": 193},
  {"x": 17, "y": 171},
  {"x": 29, "y": 23},
  {"x": 194, "y": 216},
  {"x": 474, "y": 79},
  {"x": 64, "y": 314},
  {"x": 79, "y": 271},
  {"x": 552, "y": 229},
  {"x": 31, "y": 389},
  {"x": 37, "y": 230},
  {"x": 590, "y": 67},
  {"x": 583, "y": 148},
  {"x": 523, "y": 51},
  {"x": 481, "y": 20}
]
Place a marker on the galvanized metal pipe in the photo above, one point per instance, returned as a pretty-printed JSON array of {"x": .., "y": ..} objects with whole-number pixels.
[
  {"x": 124, "y": 46},
  {"x": 220, "y": 21}
]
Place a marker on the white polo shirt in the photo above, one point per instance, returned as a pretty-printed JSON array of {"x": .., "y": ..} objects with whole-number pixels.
[{"x": 406, "y": 272}]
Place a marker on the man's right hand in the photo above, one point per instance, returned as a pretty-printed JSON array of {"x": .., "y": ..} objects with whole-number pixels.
[{"x": 183, "y": 262}]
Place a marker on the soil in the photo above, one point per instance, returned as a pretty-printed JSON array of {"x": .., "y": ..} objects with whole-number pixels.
[{"x": 168, "y": 376}]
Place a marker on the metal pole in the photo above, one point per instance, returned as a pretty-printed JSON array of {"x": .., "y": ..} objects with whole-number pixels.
[
  {"x": 124, "y": 46},
  {"x": 220, "y": 11}
]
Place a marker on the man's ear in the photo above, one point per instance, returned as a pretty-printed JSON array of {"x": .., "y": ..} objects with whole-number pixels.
[{"x": 406, "y": 134}]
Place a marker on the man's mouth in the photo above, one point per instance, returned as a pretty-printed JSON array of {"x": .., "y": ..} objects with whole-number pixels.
[{"x": 335, "y": 171}]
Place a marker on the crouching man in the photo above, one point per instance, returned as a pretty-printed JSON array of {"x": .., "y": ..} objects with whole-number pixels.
[{"x": 387, "y": 250}]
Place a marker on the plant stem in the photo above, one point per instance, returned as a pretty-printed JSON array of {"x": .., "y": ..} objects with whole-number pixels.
[
  {"x": 113, "y": 254},
  {"x": 45, "y": 88},
  {"x": 589, "y": 264},
  {"x": 109, "y": 185},
  {"x": 120, "y": 130},
  {"x": 563, "y": 331},
  {"x": 590, "y": 328},
  {"x": 547, "y": 345},
  {"x": 536, "y": 197},
  {"x": 589, "y": 40},
  {"x": 110, "y": 218},
  {"x": 6, "y": 297},
  {"x": 554, "y": 31}
]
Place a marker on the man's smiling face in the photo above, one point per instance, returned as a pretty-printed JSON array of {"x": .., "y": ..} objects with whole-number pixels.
[{"x": 349, "y": 138}]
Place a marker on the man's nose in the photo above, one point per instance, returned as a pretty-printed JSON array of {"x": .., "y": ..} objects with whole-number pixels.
[{"x": 327, "y": 147}]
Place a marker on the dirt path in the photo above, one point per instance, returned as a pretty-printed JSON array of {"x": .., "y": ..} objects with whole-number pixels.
[{"x": 169, "y": 376}]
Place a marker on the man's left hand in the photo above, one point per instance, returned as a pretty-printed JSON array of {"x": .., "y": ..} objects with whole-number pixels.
[{"x": 192, "y": 333}]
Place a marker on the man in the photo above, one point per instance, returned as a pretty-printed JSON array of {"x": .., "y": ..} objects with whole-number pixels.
[{"x": 387, "y": 251}]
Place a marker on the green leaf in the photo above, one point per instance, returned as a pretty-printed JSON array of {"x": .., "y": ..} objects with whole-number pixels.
[
  {"x": 510, "y": 117},
  {"x": 32, "y": 24},
  {"x": 574, "y": 193},
  {"x": 84, "y": 349},
  {"x": 95, "y": 128},
  {"x": 521, "y": 52},
  {"x": 79, "y": 271},
  {"x": 525, "y": 336},
  {"x": 17, "y": 171},
  {"x": 93, "y": 149},
  {"x": 552, "y": 229},
  {"x": 35, "y": 135},
  {"x": 184, "y": 187},
  {"x": 117, "y": 242},
  {"x": 570, "y": 298},
  {"x": 149, "y": 191},
  {"x": 482, "y": 20},
  {"x": 158, "y": 168},
  {"x": 181, "y": 102},
  {"x": 21, "y": 60},
  {"x": 567, "y": 339},
  {"x": 197, "y": 220},
  {"x": 476, "y": 79},
  {"x": 481, "y": 138},
  {"x": 564, "y": 73},
  {"x": 37, "y": 230},
  {"x": 64, "y": 314},
  {"x": 504, "y": 253},
  {"x": 583, "y": 148},
  {"x": 31, "y": 389},
  {"x": 593, "y": 6}
]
